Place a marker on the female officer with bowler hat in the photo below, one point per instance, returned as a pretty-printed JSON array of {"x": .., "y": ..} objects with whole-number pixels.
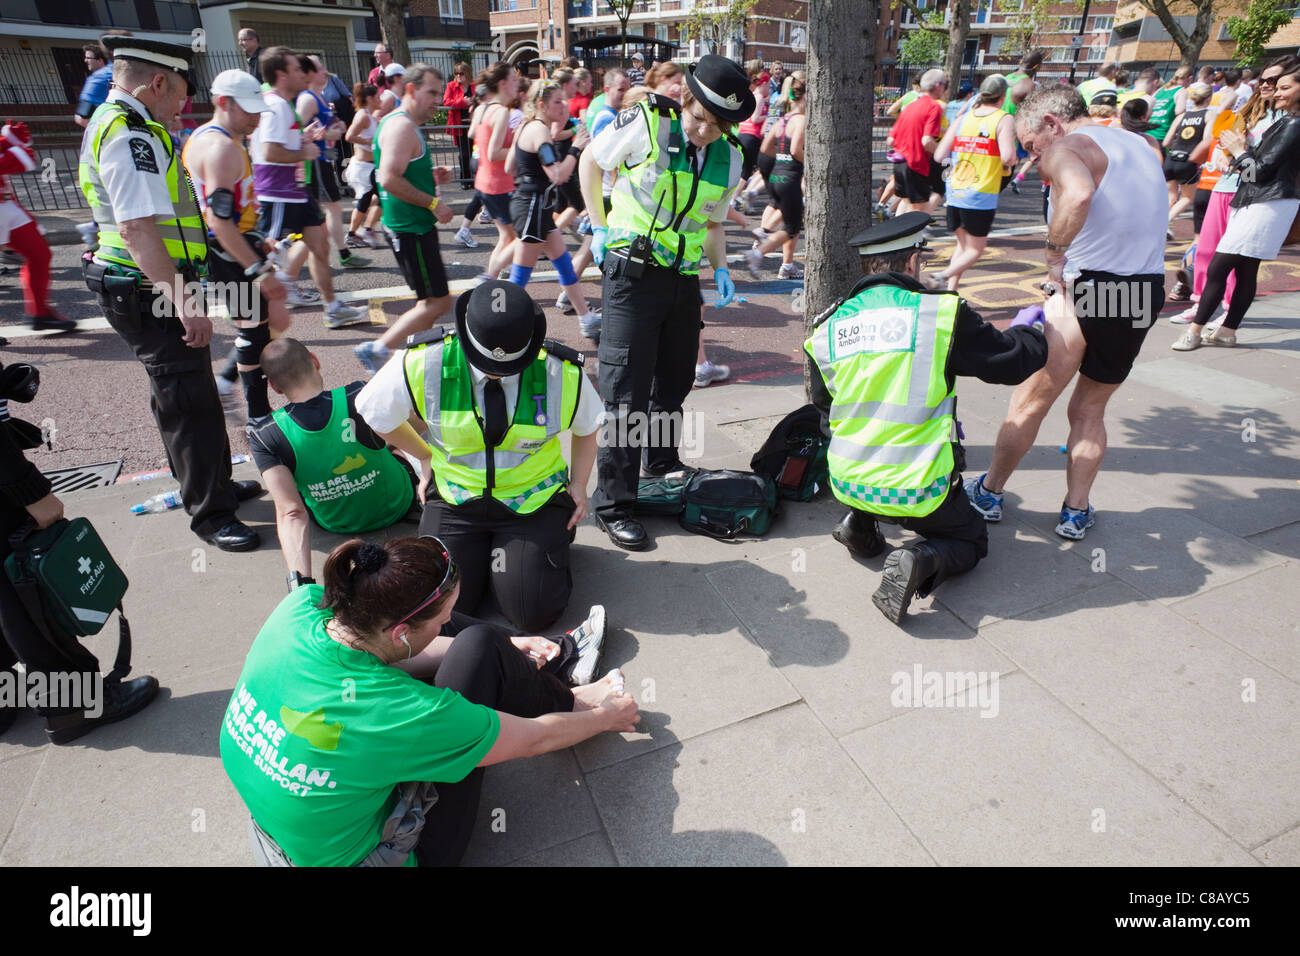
[
  {"x": 679, "y": 165},
  {"x": 495, "y": 395}
]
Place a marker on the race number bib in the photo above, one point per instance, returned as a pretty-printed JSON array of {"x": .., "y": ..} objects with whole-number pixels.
[{"x": 881, "y": 330}]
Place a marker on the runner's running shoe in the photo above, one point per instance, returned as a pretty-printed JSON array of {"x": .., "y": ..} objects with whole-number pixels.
[
  {"x": 1075, "y": 523},
  {"x": 987, "y": 503}
]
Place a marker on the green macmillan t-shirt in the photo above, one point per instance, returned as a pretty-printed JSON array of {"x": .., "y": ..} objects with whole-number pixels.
[{"x": 317, "y": 736}]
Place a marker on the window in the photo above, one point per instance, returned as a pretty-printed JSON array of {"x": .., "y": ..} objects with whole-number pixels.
[
  {"x": 1069, "y": 24},
  {"x": 1102, "y": 24},
  {"x": 661, "y": 31},
  {"x": 452, "y": 10},
  {"x": 781, "y": 32}
]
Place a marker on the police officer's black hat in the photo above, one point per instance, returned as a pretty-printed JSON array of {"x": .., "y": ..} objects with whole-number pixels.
[
  {"x": 901, "y": 232},
  {"x": 500, "y": 327},
  {"x": 721, "y": 87},
  {"x": 166, "y": 55}
]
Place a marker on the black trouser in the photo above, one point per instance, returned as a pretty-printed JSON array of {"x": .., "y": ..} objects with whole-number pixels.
[
  {"x": 650, "y": 333},
  {"x": 524, "y": 557},
  {"x": 1216, "y": 286},
  {"x": 485, "y": 668},
  {"x": 187, "y": 409},
  {"x": 463, "y": 146},
  {"x": 22, "y": 640},
  {"x": 954, "y": 530}
]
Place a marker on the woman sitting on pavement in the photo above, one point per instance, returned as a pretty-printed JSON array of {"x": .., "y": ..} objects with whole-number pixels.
[{"x": 336, "y": 744}]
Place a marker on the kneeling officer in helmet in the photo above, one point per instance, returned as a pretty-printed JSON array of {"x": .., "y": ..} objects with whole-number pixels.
[
  {"x": 888, "y": 355},
  {"x": 495, "y": 395}
]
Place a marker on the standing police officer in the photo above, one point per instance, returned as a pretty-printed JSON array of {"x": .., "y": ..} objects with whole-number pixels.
[
  {"x": 888, "y": 356},
  {"x": 152, "y": 250},
  {"x": 678, "y": 166}
]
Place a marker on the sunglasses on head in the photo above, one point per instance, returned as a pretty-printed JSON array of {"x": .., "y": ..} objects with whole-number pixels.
[{"x": 448, "y": 581}]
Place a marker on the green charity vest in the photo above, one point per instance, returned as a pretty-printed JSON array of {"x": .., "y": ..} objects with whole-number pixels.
[
  {"x": 1163, "y": 104},
  {"x": 348, "y": 487},
  {"x": 1012, "y": 80},
  {"x": 185, "y": 235},
  {"x": 399, "y": 216},
  {"x": 882, "y": 353},
  {"x": 527, "y": 468},
  {"x": 667, "y": 181}
]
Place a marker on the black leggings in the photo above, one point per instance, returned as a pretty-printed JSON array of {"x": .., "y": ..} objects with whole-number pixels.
[
  {"x": 485, "y": 668},
  {"x": 1216, "y": 283},
  {"x": 363, "y": 204}
]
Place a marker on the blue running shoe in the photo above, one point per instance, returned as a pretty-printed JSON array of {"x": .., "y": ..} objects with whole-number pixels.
[
  {"x": 365, "y": 353},
  {"x": 1074, "y": 523},
  {"x": 987, "y": 503}
]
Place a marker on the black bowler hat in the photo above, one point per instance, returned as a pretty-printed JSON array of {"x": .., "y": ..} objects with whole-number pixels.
[
  {"x": 721, "y": 87},
  {"x": 901, "y": 232},
  {"x": 167, "y": 55},
  {"x": 501, "y": 328}
]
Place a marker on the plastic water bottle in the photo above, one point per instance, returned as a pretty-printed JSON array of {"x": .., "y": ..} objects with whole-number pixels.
[{"x": 163, "y": 502}]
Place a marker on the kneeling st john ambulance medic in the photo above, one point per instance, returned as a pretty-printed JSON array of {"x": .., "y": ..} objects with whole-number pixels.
[
  {"x": 888, "y": 355},
  {"x": 495, "y": 396}
]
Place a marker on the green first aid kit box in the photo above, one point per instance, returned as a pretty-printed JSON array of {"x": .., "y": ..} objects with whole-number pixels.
[{"x": 79, "y": 582}]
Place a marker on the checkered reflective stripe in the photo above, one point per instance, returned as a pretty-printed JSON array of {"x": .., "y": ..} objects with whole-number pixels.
[
  {"x": 559, "y": 478},
  {"x": 868, "y": 494}
]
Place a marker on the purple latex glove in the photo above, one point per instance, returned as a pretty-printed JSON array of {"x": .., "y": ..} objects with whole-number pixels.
[{"x": 1030, "y": 315}]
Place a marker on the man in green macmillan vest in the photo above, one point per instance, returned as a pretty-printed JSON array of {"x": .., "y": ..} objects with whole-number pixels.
[
  {"x": 888, "y": 355},
  {"x": 319, "y": 457},
  {"x": 152, "y": 250},
  {"x": 1169, "y": 103},
  {"x": 495, "y": 396},
  {"x": 679, "y": 167}
]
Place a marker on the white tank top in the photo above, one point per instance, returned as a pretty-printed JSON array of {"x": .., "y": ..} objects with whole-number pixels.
[{"x": 1125, "y": 229}]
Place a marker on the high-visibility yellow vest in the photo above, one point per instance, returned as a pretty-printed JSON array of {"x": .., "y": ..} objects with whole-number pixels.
[
  {"x": 668, "y": 182},
  {"x": 527, "y": 468},
  {"x": 883, "y": 352},
  {"x": 184, "y": 235}
]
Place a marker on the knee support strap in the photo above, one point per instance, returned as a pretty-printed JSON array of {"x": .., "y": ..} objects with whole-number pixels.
[
  {"x": 249, "y": 344},
  {"x": 564, "y": 266}
]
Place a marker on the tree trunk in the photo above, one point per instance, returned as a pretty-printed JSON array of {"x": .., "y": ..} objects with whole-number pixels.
[
  {"x": 958, "y": 31},
  {"x": 393, "y": 27},
  {"x": 841, "y": 70}
]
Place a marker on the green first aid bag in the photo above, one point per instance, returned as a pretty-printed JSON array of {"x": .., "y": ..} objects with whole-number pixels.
[
  {"x": 661, "y": 496},
  {"x": 724, "y": 504},
  {"x": 69, "y": 584}
]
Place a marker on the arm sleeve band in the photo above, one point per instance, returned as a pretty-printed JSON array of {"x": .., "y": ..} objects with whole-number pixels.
[{"x": 222, "y": 203}]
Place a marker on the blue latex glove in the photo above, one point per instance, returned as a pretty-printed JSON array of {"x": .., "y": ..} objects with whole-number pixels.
[
  {"x": 726, "y": 288},
  {"x": 598, "y": 234},
  {"x": 1030, "y": 315}
]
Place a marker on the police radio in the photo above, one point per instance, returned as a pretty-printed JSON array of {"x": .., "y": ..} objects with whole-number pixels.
[{"x": 638, "y": 252}]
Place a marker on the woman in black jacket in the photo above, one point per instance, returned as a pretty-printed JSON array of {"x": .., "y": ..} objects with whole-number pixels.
[{"x": 1262, "y": 213}]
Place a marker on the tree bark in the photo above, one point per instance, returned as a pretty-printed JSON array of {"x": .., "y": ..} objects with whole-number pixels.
[
  {"x": 1188, "y": 45},
  {"x": 958, "y": 31},
  {"x": 393, "y": 27},
  {"x": 841, "y": 69}
]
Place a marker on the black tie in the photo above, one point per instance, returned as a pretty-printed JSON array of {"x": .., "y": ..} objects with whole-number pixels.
[{"x": 496, "y": 423}]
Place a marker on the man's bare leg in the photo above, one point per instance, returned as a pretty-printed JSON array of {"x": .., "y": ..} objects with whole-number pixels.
[
  {"x": 418, "y": 318},
  {"x": 1034, "y": 397},
  {"x": 1087, "y": 443}
]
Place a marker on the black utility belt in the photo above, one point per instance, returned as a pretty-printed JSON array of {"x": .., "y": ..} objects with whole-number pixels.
[{"x": 634, "y": 259}]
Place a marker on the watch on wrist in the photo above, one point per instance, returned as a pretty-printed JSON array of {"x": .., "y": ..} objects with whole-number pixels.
[
  {"x": 297, "y": 579},
  {"x": 1049, "y": 244}
]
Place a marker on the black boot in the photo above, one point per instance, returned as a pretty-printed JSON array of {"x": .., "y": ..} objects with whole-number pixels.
[
  {"x": 121, "y": 700},
  {"x": 905, "y": 571},
  {"x": 859, "y": 533}
]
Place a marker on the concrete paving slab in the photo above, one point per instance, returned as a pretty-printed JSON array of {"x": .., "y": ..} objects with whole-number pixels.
[
  {"x": 590, "y": 850},
  {"x": 15, "y": 784},
  {"x": 1284, "y": 540},
  {"x": 149, "y": 791},
  {"x": 1166, "y": 553},
  {"x": 1031, "y": 787},
  {"x": 679, "y": 645},
  {"x": 1206, "y": 383},
  {"x": 1281, "y": 851},
  {"x": 1256, "y": 615},
  {"x": 530, "y": 806},
  {"x": 773, "y": 791},
  {"x": 1213, "y": 724},
  {"x": 846, "y": 671},
  {"x": 742, "y": 402}
]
